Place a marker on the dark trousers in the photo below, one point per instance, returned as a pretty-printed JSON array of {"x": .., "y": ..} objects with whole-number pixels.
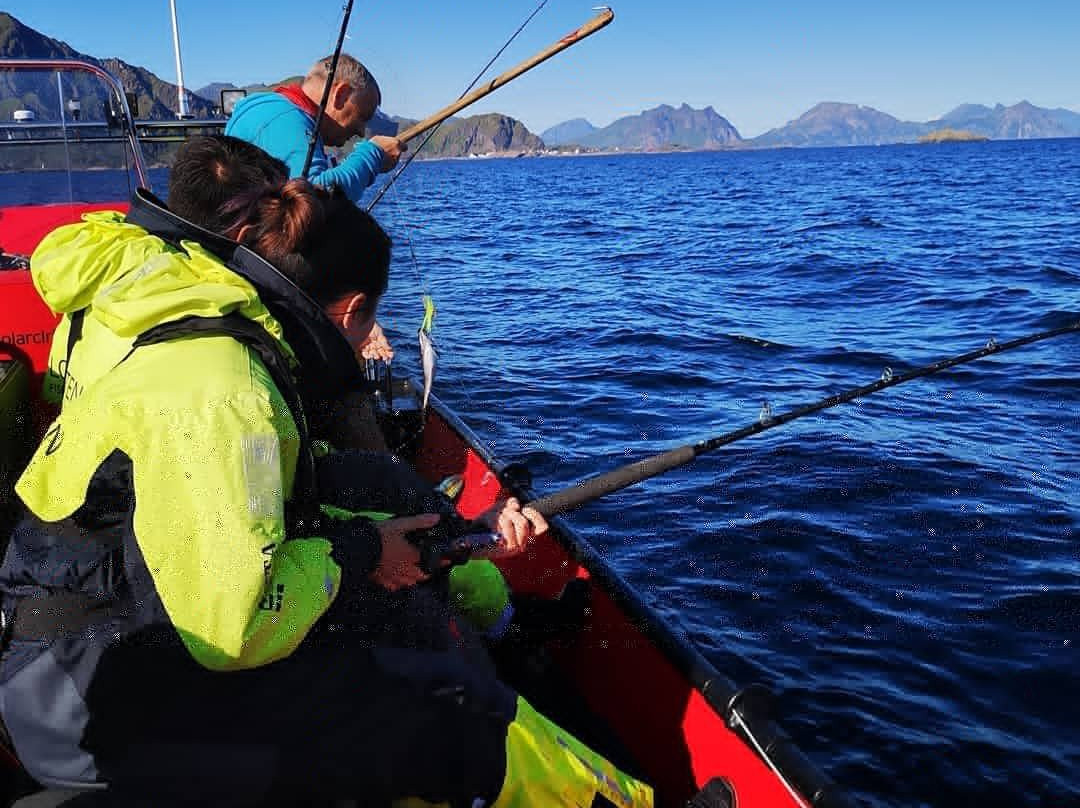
[
  {"x": 381, "y": 703},
  {"x": 366, "y": 724}
]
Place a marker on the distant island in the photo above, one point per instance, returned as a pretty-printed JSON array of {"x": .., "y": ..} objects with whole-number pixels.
[
  {"x": 948, "y": 135},
  {"x": 663, "y": 128}
]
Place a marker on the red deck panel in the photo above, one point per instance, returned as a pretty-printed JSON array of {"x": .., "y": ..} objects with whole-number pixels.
[
  {"x": 23, "y": 226},
  {"x": 26, "y": 323}
]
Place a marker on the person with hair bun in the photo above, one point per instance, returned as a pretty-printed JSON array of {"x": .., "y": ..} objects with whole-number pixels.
[
  {"x": 211, "y": 180},
  {"x": 335, "y": 252},
  {"x": 185, "y": 621},
  {"x": 340, "y": 256}
]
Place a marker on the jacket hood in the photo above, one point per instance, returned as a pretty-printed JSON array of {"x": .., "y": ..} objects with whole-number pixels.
[
  {"x": 152, "y": 267},
  {"x": 133, "y": 279},
  {"x": 327, "y": 363}
]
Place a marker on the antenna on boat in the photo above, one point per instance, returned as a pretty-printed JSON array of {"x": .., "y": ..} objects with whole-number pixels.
[{"x": 182, "y": 98}]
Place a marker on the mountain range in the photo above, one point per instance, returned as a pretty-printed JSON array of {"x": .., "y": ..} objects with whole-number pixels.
[
  {"x": 572, "y": 131},
  {"x": 156, "y": 99},
  {"x": 661, "y": 128},
  {"x": 835, "y": 124},
  {"x": 826, "y": 124},
  {"x": 1017, "y": 122}
]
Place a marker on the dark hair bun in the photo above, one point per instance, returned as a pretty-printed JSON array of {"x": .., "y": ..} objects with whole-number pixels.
[
  {"x": 286, "y": 214},
  {"x": 281, "y": 217}
]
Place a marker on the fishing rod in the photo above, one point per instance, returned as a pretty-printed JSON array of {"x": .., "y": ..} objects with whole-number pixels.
[
  {"x": 591, "y": 27},
  {"x": 314, "y": 137},
  {"x": 458, "y": 548},
  {"x": 431, "y": 132},
  {"x": 602, "y": 19},
  {"x": 600, "y": 485}
]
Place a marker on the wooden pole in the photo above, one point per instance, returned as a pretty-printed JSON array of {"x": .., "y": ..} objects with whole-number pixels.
[{"x": 592, "y": 26}]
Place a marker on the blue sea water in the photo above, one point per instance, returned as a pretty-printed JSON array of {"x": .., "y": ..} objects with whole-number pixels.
[{"x": 903, "y": 570}]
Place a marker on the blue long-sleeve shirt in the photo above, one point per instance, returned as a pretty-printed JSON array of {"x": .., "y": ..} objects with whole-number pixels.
[{"x": 279, "y": 127}]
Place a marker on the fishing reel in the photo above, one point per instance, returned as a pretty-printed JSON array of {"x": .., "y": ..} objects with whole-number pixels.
[
  {"x": 452, "y": 541},
  {"x": 397, "y": 407}
]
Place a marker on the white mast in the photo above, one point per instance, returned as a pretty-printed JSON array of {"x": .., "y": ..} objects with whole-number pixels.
[{"x": 183, "y": 109}]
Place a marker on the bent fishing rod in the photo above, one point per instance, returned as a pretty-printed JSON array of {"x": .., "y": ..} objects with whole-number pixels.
[
  {"x": 575, "y": 36},
  {"x": 458, "y": 548}
]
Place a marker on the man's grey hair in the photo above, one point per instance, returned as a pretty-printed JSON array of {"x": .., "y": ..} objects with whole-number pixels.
[{"x": 349, "y": 71}]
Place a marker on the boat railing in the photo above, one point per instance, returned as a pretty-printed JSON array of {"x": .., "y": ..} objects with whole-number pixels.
[
  {"x": 117, "y": 120},
  {"x": 177, "y": 131},
  {"x": 146, "y": 131}
]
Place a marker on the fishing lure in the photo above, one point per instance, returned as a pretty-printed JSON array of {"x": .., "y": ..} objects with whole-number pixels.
[{"x": 429, "y": 357}]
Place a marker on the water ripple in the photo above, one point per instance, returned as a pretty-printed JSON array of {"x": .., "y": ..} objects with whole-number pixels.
[{"x": 901, "y": 569}]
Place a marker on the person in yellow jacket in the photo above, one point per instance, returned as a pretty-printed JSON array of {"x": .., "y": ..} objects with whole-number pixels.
[{"x": 178, "y": 608}]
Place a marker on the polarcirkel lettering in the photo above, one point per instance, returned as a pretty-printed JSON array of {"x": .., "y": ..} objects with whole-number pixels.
[{"x": 27, "y": 338}]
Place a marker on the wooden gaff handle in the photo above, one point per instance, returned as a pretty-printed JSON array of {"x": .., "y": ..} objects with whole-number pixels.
[{"x": 592, "y": 26}]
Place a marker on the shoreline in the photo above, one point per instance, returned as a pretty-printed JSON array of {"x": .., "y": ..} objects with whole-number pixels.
[{"x": 514, "y": 155}]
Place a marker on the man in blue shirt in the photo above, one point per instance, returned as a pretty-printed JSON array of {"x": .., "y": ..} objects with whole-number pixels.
[{"x": 282, "y": 123}]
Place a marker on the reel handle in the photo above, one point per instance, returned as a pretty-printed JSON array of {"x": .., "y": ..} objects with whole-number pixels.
[{"x": 456, "y": 551}]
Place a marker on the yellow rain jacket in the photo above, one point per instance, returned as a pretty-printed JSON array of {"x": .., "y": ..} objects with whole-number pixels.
[{"x": 212, "y": 446}]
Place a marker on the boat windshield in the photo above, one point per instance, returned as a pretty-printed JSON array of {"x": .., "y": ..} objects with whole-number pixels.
[{"x": 66, "y": 135}]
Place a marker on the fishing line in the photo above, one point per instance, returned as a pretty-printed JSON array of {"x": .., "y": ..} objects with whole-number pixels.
[
  {"x": 425, "y": 287},
  {"x": 480, "y": 75},
  {"x": 314, "y": 138},
  {"x": 412, "y": 155},
  {"x": 739, "y": 723},
  {"x": 421, "y": 281},
  {"x": 422, "y": 284}
]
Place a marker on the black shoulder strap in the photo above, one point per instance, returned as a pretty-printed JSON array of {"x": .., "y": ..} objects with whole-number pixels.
[
  {"x": 75, "y": 328},
  {"x": 61, "y": 614},
  {"x": 303, "y": 512}
]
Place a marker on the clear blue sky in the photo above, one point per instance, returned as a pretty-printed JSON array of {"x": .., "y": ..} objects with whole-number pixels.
[{"x": 759, "y": 64}]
